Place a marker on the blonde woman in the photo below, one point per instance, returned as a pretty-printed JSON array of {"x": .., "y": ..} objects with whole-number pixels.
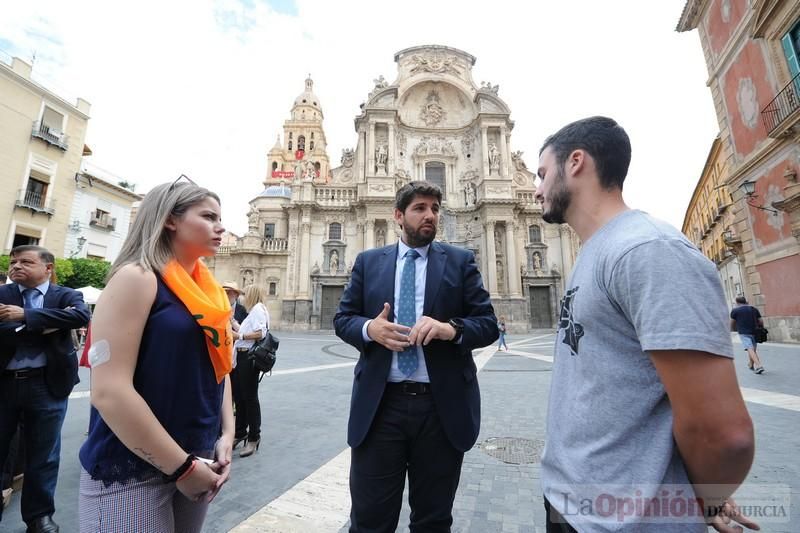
[
  {"x": 252, "y": 328},
  {"x": 160, "y": 356}
]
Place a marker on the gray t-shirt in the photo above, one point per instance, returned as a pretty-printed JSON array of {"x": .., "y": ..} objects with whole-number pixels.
[{"x": 638, "y": 285}]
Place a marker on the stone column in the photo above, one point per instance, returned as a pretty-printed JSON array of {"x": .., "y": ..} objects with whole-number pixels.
[
  {"x": 305, "y": 257},
  {"x": 371, "y": 150},
  {"x": 369, "y": 240},
  {"x": 360, "y": 156},
  {"x": 513, "y": 266},
  {"x": 503, "y": 152},
  {"x": 491, "y": 255},
  {"x": 485, "y": 150},
  {"x": 390, "y": 155}
]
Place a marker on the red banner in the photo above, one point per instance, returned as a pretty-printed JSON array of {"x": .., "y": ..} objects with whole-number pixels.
[
  {"x": 299, "y": 154},
  {"x": 282, "y": 174}
]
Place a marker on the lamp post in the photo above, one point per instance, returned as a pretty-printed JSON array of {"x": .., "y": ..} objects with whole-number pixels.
[
  {"x": 749, "y": 189},
  {"x": 81, "y": 242}
]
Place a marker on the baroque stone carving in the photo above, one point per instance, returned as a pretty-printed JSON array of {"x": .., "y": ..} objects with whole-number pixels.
[
  {"x": 520, "y": 179},
  {"x": 435, "y": 63},
  {"x": 252, "y": 220},
  {"x": 381, "y": 155},
  {"x": 380, "y": 187},
  {"x": 516, "y": 158},
  {"x": 435, "y": 145},
  {"x": 400, "y": 139},
  {"x": 489, "y": 88},
  {"x": 469, "y": 175},
  {"x": 468, "y": 142},
  {"x": 380, "y": 83},
  {"x": 432, "y": 113},
  {"x": 469, "y": 194},
  {"x": 348, "y": 157}
]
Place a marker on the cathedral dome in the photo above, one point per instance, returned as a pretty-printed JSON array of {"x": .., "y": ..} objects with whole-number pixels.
[
  {"x": 281, "y": 191},
  {"x": 307, "y": 97}
]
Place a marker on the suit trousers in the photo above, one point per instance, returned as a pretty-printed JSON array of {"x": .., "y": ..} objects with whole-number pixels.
[
  {"x": 43, "y": 415},
  {"x": 406, "y": 437}
]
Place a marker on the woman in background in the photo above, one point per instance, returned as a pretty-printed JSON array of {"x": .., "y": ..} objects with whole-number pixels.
[
  {"x": 160, "y": 354},
  {"x": 252, "y": 328},
  {"x": 501, "y": 327}
]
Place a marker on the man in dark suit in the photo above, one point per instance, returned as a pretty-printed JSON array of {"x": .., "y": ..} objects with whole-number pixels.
[
  {"x": 415, "y": 406},
  {"x": 39, "y": 368}
]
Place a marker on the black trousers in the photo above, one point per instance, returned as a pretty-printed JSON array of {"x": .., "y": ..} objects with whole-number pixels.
[
  {"x": 556, "y": 522},
  {"x": 244, "y": 385},
  {"x": 406, "y": 437}
]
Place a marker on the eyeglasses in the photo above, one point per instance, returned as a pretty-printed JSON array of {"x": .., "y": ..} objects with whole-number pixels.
[{"x": 190, "y": 180}]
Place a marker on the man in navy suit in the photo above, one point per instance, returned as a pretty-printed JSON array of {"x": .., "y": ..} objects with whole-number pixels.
[
  {"x": 38, "y": 368},
  {"x": 415, "y": 310}
]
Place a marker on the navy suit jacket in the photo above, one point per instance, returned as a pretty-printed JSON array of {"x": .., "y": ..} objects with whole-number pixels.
[
  {"x": 453, "y": 289},
  {"x": 64, "y": 309}
]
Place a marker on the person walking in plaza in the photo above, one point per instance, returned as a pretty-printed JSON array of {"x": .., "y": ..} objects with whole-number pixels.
[
  {"x": 254, "y": 327},
  {"x": 744, "y": 320},
  {"x": 233, "y": 293},
  {"x": 39, "y": 369},
  {"x": 501, "y": 329},
  {"x": 160, "y": 354},
  {"x": 644, "y": 400},
  {"x": 414, "y": 310}
]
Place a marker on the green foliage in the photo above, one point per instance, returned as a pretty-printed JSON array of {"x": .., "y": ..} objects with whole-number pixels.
[
  {"x": 87, "y": 272},
  {"x": 4, "y": 260},
  {"x": 64, "y": 270}
]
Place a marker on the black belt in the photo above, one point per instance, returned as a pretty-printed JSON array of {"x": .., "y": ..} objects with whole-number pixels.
[
  {"x": 412, "y": 388},
  {"x": 24, "y": 373}
]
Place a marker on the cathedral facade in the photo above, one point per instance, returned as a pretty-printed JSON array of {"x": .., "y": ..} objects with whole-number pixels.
[{"x": 432, "y": 123}]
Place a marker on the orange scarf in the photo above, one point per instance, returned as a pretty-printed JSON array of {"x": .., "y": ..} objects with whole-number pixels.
[{"x": 208, "y": 304}]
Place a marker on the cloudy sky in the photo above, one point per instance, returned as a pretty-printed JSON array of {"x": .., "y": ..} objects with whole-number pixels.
[{"x": 203, "y": 87}]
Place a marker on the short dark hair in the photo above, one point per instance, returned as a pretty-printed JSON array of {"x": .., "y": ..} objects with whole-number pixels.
[
  {"x": 603, "y": 139},
  {"x": 44, "y": 253},
  {"x": 405, "y": 195},
  {"x": 741, "y": 300}
]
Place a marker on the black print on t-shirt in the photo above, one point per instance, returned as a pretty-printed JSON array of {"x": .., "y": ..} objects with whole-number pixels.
[{"x": 573, "y": 331}]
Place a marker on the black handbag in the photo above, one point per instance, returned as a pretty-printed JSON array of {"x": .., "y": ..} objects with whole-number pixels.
[
  {"x": 263, "y": 354},
  {"x": 761, "y": 334}
]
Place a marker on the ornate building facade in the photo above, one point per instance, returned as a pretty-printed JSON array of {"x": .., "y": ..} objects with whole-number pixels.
[
  {"x": 432, "y": 123},
  {"x": 751, "y": 50}
]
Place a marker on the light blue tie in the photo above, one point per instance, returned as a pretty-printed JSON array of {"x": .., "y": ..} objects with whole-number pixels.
[
  {"x": 25, "y": 351},
  {"x": 407, "y": 312}
]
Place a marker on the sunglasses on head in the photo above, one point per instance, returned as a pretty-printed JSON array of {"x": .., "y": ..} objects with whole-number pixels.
[{"x": 184, "y": 176}]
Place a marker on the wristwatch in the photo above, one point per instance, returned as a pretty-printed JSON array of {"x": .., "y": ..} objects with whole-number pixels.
[{"x": 458, "y": 325}]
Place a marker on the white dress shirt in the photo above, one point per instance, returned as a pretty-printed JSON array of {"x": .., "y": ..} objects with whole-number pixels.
[
  {"x": 421, "y": 275},
  {"x": 257, "y": 320},
  {"x": 38, "y": 303}
]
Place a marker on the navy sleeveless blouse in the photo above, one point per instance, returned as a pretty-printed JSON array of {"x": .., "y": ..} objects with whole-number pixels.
[{"x": 175, "y": 377}]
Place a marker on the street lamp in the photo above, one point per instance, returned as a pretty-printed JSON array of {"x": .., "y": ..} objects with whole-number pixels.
[
  {"x": 81, "y": 242},
  {"x": 749, "y": 189}
]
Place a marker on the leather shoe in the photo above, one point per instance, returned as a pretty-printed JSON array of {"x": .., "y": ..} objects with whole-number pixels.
[{"x": 43, "y": 524}]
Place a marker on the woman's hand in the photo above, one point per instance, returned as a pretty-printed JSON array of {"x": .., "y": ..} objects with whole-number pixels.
[
  {"x": 223, "y": 452},
  {"x": 202, "y": 481}
]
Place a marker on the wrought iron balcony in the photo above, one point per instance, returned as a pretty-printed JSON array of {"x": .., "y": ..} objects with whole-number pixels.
[
  {"x": 49, "y": 135},
  {"x": 35, "y": 201},
  {"x": 785, "y": 106}
]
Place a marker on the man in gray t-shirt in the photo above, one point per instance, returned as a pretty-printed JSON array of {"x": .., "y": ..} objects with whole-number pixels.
[{"x": 642, "y": 363}]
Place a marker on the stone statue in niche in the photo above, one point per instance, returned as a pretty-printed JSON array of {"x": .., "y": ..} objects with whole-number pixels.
[
  {"x": 334, "y": 262},
  {"x": 315, "y": 268},
  {"x": 494, "y": 157},
  {"x": 469, "y": 194},
  {"x": 247, "y": 278},
  {"x": 380, "y": 238},
  {"x": 501, "y": 278},
  {"x": 537, "y": 263},
  {"x": 381, "y": 155}
]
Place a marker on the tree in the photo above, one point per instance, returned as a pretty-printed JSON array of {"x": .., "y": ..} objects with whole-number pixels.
[
  {"x": 64, "y": 270},
  {"x": 127, "y": 185},
  {"x": 87, "y": 272}
]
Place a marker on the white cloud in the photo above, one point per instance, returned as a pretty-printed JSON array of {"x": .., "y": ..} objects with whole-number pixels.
[{"x": 203, "y": 86}]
